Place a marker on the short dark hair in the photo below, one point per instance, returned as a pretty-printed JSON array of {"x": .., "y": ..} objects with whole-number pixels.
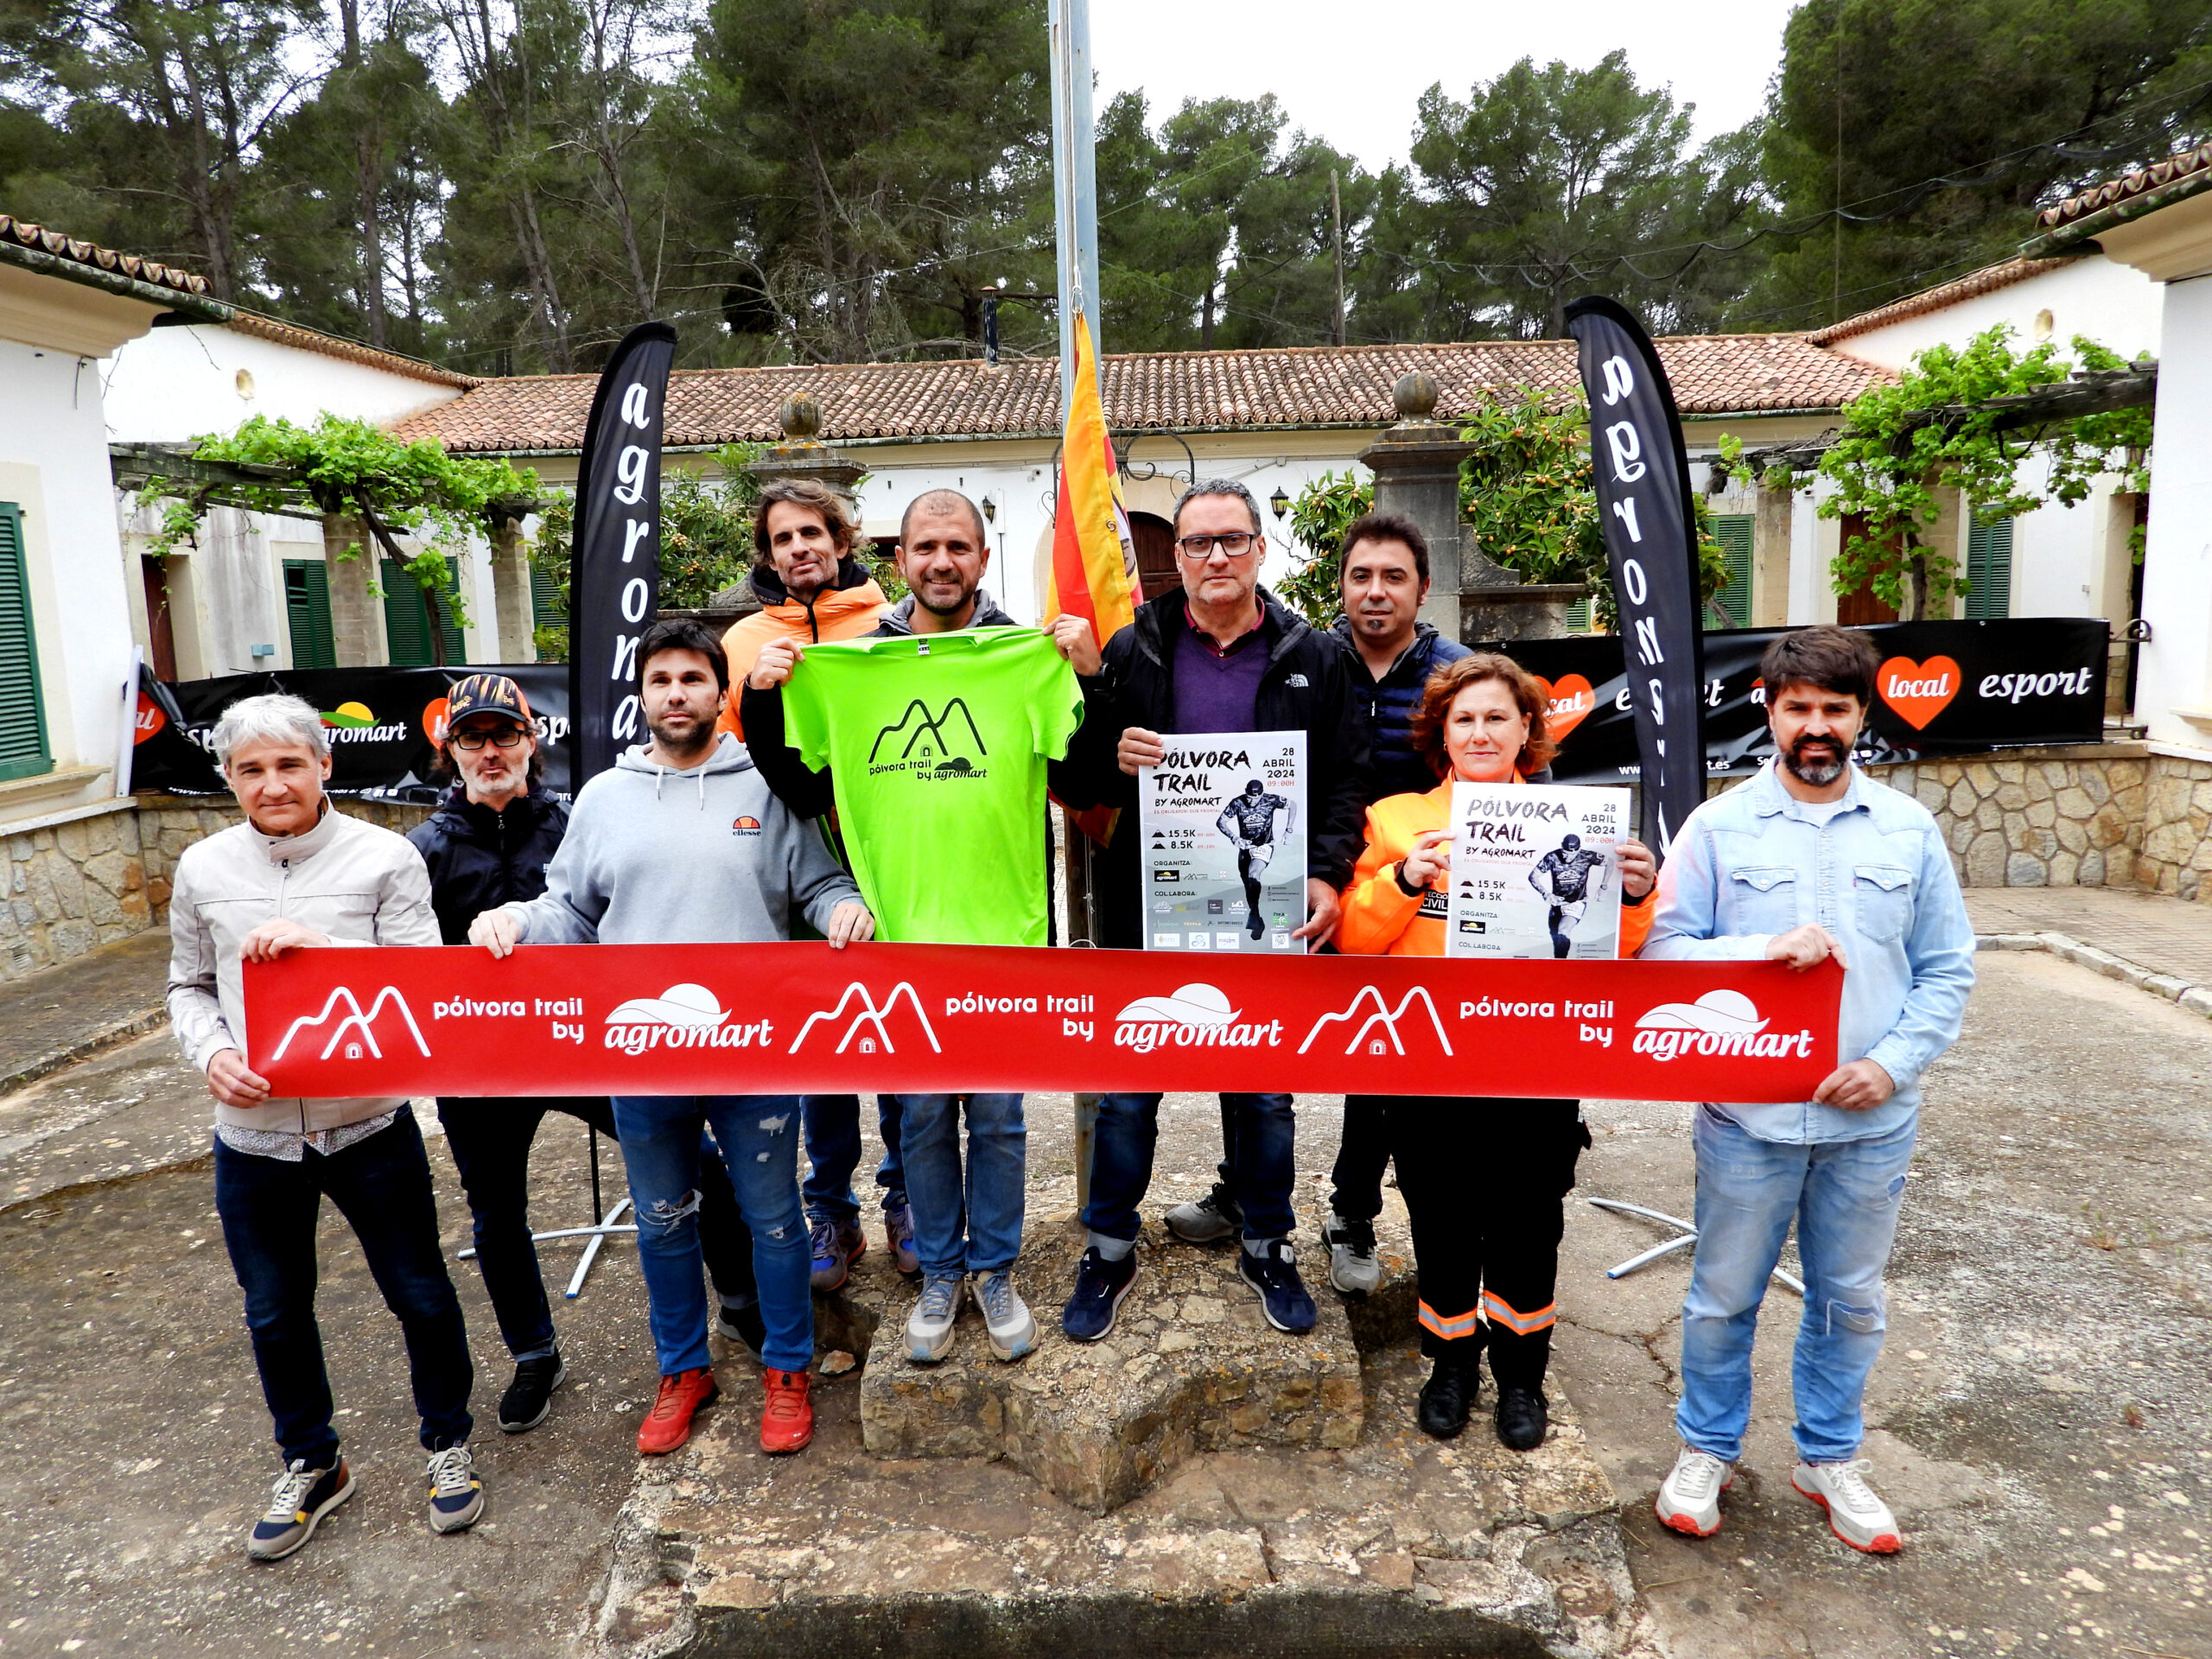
[
  {"x": 1218, "y": 487},
  {"x": 1830, "y": 659},
  {"x": 683, "y": 633},
  {"x": 934, "y": 498},
  {"x": 1385, "y": 527},
  {"x": 1443, "y": 689}
]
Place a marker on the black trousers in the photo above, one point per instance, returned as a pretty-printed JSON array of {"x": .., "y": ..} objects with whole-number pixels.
[
  {"x": 1486, "y": 1183},
  {"x": 490, "y": 1140}
]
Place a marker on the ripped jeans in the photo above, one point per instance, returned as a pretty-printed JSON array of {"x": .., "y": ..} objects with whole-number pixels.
[
  {"x": 1844, "y": 1196},
  {"x": 758, "y": 1135}
]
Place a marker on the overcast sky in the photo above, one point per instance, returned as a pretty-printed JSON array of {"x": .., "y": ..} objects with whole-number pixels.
[{"x": 1356, "y": 85}]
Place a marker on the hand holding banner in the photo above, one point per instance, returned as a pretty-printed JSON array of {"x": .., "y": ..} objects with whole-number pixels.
[{"x": 798, "y": 1018}]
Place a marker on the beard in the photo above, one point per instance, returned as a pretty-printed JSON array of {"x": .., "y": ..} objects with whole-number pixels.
[
  {"x": 1817, "y": 761},
  {"x": 693, "y": 740}
]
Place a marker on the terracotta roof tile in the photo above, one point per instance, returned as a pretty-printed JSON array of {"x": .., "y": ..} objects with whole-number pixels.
[
  {"x": 1988, "y": 280},
  {"x": 1185, "y": 391},
  {"x": 90, "y": 254},
  {"x": 2192, "y": 169}
]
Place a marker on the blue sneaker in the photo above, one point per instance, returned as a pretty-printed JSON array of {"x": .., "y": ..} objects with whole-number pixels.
[
  {"x": 456, "y": 1495},
  {"x": 1274, "y": 1278},
  {"x": 1100, "y": 1285},
  {"x": 302, "y": 1496},
  {"x": 836, "y": 1246},
  {"x": 898, "y": 1234}
]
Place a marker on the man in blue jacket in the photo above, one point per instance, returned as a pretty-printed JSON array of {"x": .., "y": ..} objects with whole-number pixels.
[
  {"x": 1809, "y": 860},
  {"x": 489, "y": 844}
]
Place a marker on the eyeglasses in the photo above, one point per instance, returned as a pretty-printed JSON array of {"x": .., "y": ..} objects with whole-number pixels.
[
  {"x": 507, "y": 737},
  {"x": 1237, "y": 544}
]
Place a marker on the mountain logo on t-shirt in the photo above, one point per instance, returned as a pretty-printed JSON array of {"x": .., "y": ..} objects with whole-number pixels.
[{"x": 942, "y": 745}]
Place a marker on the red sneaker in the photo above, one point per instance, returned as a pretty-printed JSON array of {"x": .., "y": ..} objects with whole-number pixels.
[
  {"x": 787, "y": 1415},
  {"x": 668, "y": 1425}
]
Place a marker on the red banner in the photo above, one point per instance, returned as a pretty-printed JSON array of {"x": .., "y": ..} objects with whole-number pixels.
[{"x": 798, "y": 1018}]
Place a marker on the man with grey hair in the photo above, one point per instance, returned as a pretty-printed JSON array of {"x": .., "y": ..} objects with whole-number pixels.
[
  {"x": 297, "y": 874},
  {"x": 1222, "y": 655}
]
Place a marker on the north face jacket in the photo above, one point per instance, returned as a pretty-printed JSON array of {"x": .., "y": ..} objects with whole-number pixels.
[{"x": 479, "y": 860}]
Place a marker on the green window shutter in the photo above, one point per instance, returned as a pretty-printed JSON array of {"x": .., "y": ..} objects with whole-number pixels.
[
  {"x": 24, "y": 749},
  {"x": 307, "y": 612},
  {"x": 1989, "y": 569},
  {"x": 1578, "y": 615},
  {"x": 407, "y": 628},
  {"x": 1733, "y": 531},
  {"x": 545, "y": 610}
]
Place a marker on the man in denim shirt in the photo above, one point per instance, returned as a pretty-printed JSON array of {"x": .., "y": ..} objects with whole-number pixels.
[{"x": 1810, "y": 859}]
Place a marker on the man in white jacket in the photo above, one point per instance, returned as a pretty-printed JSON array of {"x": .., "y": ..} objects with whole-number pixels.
[{"x": 298, "y": 874}]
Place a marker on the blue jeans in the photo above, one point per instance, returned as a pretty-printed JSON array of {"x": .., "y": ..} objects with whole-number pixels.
[
  {"x": 1845, "y": 1195},
  {"x": 758, "y": 1135},
  {"x": 833, "y": 1152},
  {"x": 382, "y": 1187},
  {"x": 490, "y": 1140},
  {"x": 970, "y": 1224},
  {"x": 1257, "y": 1162}
]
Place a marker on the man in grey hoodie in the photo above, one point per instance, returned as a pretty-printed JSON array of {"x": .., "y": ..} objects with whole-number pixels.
[{"x": 684, "y": 843}]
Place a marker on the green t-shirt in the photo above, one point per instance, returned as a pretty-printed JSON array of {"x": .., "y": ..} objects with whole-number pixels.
[{"x": 937, "y": 745}]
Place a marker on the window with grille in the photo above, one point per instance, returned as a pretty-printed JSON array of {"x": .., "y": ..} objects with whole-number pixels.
[
  {"x": 407, "y": 624},
  {"x": 307, "y": 613},
  {"x": 1989, "y": 569},
  {"x": 24, "y": 749}
]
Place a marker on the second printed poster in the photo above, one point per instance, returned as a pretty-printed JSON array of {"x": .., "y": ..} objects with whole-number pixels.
[
  {"x": 1223, "y": 821},
  {"x": 1533, "y": 870}
]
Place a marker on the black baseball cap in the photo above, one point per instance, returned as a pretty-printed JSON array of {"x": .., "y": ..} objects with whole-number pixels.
[{"x": 487, "y": 693}]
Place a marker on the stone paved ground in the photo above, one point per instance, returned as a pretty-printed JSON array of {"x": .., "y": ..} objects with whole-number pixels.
[
  {"x": 2173, "y": 935},
  {"x": 54, "y": 1017}
]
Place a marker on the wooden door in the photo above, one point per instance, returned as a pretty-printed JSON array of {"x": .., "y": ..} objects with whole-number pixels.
[
  {"x": 1155, "y": 543},
  {"x": 160, "y": 626},
  {"x": 1862, "y": 605}
]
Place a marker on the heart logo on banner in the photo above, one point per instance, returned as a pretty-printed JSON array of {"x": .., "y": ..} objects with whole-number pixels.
[
  {"x": 1918, "y": 691},
  {"x": 1566, "y": 704}
]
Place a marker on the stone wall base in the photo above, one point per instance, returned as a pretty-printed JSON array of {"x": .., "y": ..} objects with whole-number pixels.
[{"x": 74, "y": 886}]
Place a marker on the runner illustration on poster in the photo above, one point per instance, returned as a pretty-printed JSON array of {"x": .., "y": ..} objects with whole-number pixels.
[
  {"x": 1224, "y": 843},
  {"x": 1533, "y": 870}
]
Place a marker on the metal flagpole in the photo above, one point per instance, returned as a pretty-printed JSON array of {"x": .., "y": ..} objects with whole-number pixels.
[{"x": 1075, "y": 215}]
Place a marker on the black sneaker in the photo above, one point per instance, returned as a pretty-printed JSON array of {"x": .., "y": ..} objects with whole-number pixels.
[
  {"x": 1448, "y": 1398},
  {"x": 300, "y": 1500},
  {"x": 530, "y": 1396},
  {"x": 1522, "y": 1415},
  {"x": 1100, "y": 1285},
  {"x": 1202, "y": 1221},
  {"x": 1274, "y": 1276},
  {"x": 746, "y": 1326}
]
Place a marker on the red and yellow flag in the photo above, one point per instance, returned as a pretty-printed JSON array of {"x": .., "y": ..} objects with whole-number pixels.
[{"x": 1092, "y": 558}]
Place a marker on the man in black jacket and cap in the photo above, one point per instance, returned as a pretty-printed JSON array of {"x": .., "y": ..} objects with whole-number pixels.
[
  {"x": 487, "y": 845},
  {"x": 1223, "y": 655}
]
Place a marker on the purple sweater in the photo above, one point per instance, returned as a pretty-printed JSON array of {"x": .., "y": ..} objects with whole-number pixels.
[{"x": 1215, "y": 693}]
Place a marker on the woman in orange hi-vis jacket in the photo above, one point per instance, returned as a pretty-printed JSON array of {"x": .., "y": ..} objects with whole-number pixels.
[{"x": 1484, "y": 1180}]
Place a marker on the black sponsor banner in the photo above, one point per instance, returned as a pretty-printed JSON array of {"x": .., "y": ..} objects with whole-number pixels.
[
  {"x": 614, "y": 560},
  {"x": 384, "y": 725},
  {"x": 1644, "y": 502},
  {"x": 1944, "y": 688}
]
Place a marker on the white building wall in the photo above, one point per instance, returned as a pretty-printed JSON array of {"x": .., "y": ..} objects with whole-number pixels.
[
  {"x": 2172, "y": 691},
  {"x": 192, "y": 379},
  {"x": 2113, "y": 304},
  {"x": 53, "y": 464}
]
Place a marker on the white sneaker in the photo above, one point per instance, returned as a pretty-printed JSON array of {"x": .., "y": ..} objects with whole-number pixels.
[
  {"x": 929, "y": 1327},
  {"x": 1855, "y": 1514},
  {"x": 1006, "y": 1319},
  {"x": 1353, "y": 1267},
  {"x": 1689, "y": 1498}
]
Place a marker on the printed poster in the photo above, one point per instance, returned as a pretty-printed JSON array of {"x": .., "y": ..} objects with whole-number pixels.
[
  {"x": 1535, "y": 870},
  {"x": 1224, "y": 822}
]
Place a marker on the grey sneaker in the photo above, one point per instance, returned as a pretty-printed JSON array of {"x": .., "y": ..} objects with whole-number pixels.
[
  {"x": 1353, "y": 1267},
  {"x": 1007, "y": 1320},
  {"x": 929, "y": 1327},
  {"x": 301, "y": 1497},
  {"x": 456, "y": 1495},
  {"x": 1202, "y": 1221}
]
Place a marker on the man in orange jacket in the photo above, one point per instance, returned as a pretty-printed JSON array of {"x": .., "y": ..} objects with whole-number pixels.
[{"x": 810, "y": 586}]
